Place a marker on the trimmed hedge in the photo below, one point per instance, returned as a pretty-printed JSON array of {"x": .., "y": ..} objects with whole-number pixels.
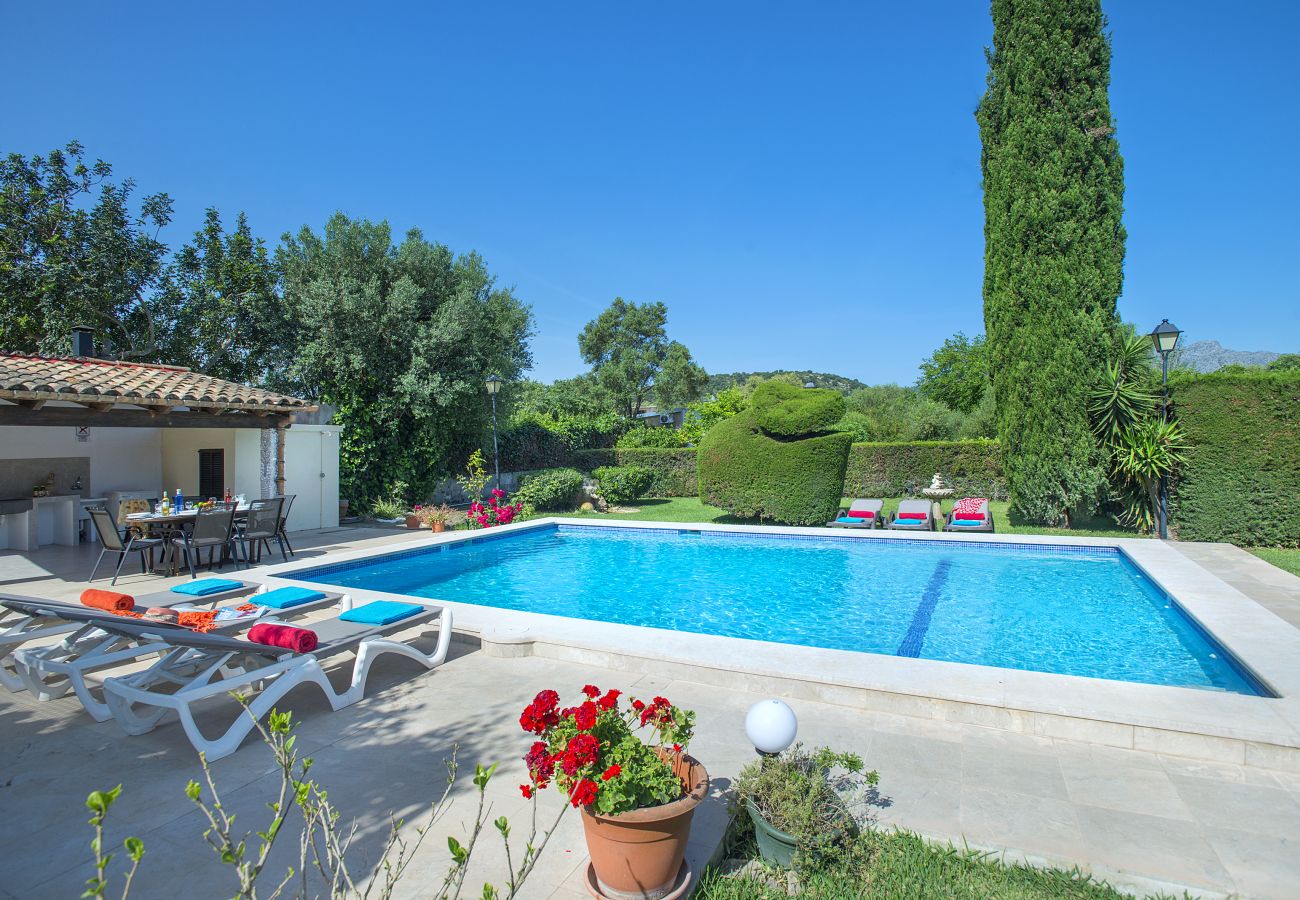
[
  {"x": 673, "y": 469},
  {"x": 754, "y": 475},
  {"x": 1241, "y": 483},
  {"x": 549, "y": 489},
  {"x": 972, "y": 468},
  {"x": 623, "y": 484}
]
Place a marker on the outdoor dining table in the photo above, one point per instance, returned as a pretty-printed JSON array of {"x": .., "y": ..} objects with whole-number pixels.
[{"x": 171, "y": 525}]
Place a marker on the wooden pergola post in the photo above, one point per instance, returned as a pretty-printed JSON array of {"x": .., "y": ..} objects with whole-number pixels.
[{"x": 279, "y": 457}]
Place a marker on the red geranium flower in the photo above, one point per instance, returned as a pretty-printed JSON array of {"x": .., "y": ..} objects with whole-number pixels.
[
  {"x": 610, "y": 700},
  {"x": 638, "y": 705},
  {"x": 584, "y": 793},
  {"x": 591, "y": 691},
  {"x": 580, "y": 752},
  {"x": 526, "y": 790},
  {"x": 612, "y": 772},
  {"x": 585, "y": 716}
]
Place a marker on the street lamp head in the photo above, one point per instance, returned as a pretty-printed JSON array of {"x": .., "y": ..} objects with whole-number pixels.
[
  {"x": 771, "y": 726},
  {"x": 493, "y": 384},
  {"x": 1165, "y": 336}
]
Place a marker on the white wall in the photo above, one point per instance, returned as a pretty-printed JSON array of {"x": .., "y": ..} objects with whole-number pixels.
[
  {"x": 309, "y": 450},
  {"x": 121, "y": 459}
]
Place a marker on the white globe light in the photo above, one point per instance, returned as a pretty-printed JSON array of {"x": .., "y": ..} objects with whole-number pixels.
[{"x": 771, "y": 726}]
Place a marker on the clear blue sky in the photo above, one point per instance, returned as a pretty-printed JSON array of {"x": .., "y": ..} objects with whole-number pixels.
[{"x": 798, "y": 182}]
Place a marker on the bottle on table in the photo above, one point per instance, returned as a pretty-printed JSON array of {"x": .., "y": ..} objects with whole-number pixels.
[{"x": 179, "y": 502}]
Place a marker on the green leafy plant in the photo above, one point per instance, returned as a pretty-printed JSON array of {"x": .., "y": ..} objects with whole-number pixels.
[
  {"x": 1140, "y": 447},
  {"x": 394, "y": 505},
  {"x": 324, "y": 843},
  {"x": 475, "y": 480},
  {"x": 673, "y": 469},
  {"x": 623, "y": 484},
  {"x": 549, "y": 489},
  {"x": 811, "y": 795},
  {"x": 644, "y": 436}
]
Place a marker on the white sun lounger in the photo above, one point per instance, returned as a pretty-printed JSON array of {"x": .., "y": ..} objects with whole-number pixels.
[
  {"x": 873, "y": 507},
  {"x": 49, "y": 672},
  {"x": 198, "y": 659},
  {"x": 913, "y": 506},
  {"x": 19, "y": 626}
]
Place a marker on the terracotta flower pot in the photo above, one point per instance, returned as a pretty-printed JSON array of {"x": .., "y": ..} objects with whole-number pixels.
[
  {"x": 412, "y": 521},
  {"x": 637, "y": 854},
  {"x": 438, "y": 527}
]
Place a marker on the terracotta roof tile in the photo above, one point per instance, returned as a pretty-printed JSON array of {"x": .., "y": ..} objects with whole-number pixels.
[{"x": 85, "y": 380}]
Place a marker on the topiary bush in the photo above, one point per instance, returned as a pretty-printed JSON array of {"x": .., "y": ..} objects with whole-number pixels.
[
  {"x": 1241, "y": 479},
  {"x": 549, "y": 489},
  {"x": 786, "y": 410},
  {"x": 778, "y": 473},
  {"x": 623, "y": 484}
]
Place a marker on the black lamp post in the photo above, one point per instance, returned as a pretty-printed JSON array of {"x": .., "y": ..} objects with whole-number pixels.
[
  {"x": 1164, "y": 337},
  {"x": 493, "y": 385}
]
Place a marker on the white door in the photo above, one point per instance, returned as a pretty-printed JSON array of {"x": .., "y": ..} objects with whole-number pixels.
[{"x": 311, "y": 471}]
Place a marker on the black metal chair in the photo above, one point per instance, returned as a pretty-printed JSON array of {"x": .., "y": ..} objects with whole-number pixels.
[
  {"x": 112, "y": 541},
  {"x": 262, "y": 524},
  {"x": 214, "y": 528},
  {"x": 282, "y": 536}
]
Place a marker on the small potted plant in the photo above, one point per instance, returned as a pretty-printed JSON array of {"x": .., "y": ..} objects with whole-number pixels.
[
  {"x": 624, "y": 764},
  {"x": 414, "y": 517},
  {"x": 436, "y": 517},
  {"x": 803, "y": 800}
]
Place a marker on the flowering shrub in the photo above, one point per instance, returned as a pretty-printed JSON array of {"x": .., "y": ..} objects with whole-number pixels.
[
  {"x": 495, "y": 512},
  {"x": 607, "y": 755}
]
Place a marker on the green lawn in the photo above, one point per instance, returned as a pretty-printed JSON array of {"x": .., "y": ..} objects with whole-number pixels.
[
  {"x": 690, "y": 509},
  {"x": 896, "y": 864},
  {"x": 1283, "y": 559}
]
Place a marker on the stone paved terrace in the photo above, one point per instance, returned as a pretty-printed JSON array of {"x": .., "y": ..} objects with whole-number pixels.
[{"x": 1144, "y": 821}]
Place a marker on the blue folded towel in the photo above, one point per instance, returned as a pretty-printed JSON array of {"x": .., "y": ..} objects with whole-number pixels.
[
  {"x": 968, "y": 523},
  {"x": 207, "y": 586},
  {"x": 847, "y": 520},
  {"x": 381, "y": 612},
  {"x": 286, "y": 597}
]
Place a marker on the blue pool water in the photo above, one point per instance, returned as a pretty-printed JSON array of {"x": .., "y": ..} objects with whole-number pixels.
[{"x": 1077, "y": 611}]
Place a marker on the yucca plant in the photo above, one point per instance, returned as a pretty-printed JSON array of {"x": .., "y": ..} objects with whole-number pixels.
[{"x": 1140, "y": 445}]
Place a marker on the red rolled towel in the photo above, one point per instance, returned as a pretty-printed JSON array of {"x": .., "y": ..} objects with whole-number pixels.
[
  {"x": 111, "y": 601},
  {"x": 861, "y": 514},
  {"x": 299, "y": 640}
]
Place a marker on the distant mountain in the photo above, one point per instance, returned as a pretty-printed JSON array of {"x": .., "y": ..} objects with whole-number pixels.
[
  {"x": 820, "y": 379},
  {"x": 1206, "y": 356}
]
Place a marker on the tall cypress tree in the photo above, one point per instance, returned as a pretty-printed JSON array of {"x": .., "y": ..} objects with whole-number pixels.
[{"x": 1054, "y": 243}]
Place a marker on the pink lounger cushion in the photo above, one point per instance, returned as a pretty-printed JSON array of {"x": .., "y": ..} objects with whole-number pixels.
[
  {"x": 861, "y": 514},
  {"x": 917, "y": 517}
]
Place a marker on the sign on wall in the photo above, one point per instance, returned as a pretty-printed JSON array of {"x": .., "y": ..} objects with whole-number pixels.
[{"x": 83, "y": 434}]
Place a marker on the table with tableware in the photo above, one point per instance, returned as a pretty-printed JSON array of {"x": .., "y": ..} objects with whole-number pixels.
[{"x": 170, "y": 525}]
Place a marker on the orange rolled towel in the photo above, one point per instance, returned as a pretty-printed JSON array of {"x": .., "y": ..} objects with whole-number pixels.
[{"x": 110, "y": 601}]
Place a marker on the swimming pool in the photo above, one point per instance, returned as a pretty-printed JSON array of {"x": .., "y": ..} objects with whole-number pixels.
[{"x": 1071, "y": 610}]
